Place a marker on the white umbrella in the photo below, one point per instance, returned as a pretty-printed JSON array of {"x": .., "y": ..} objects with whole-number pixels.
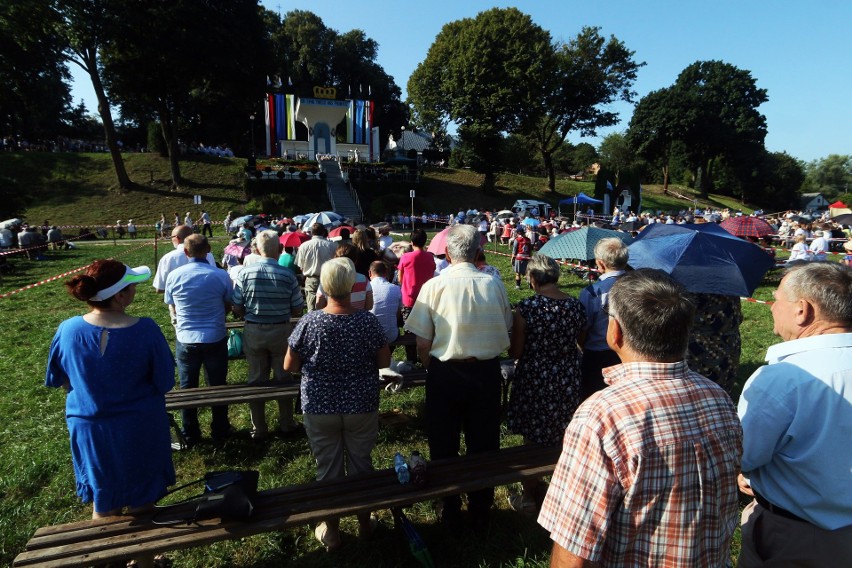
[
  {"x": 327, "y": 218},
  {"x": 9, "y": 223}
]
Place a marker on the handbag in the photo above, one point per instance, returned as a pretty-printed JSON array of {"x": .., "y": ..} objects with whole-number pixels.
[
  {"x": 235, "y": 342},
  {"x": 228, "y": 495}
]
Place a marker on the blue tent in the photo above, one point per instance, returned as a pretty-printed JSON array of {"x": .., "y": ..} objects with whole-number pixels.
[{"x": 580, "y": 198}]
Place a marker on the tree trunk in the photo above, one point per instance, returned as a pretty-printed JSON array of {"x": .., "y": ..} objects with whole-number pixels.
[
  {"x": 547, "y": 157},
  {"x": 171, "y": 144},
  {"x": 666, "y": 178},
  {"x": 90, "y": 65}
]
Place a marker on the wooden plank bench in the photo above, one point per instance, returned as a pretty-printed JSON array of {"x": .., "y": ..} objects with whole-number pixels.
[
  {"x": 240, "y": 393},
  {"x": 114, "y": 539}
]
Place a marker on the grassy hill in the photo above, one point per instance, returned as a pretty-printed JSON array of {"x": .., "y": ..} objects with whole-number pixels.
[{"x": 72, "y": 189}]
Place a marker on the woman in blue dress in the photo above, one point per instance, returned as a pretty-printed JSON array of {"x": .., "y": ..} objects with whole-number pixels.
[{"x": 116, "y": 369}]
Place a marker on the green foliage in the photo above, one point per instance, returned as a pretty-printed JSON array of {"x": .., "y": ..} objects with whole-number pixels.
[
  {"x": 34, "y": 93},
  {"x": 482, "y": 74},
  {"x": 155, "y": 139},
  {"x": 830, "y": 175}
]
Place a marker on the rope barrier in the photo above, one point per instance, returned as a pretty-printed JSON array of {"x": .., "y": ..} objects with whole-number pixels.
[{"x": 68, "y": 273}]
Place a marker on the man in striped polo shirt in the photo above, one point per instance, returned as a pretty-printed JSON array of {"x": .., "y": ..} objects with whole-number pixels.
[{"x": 267, "y": 295}]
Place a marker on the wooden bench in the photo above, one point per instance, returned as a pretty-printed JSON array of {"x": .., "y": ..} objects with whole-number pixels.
[
  {"x": 114, "y": 539},
  {"x": 226, "y": 395}
]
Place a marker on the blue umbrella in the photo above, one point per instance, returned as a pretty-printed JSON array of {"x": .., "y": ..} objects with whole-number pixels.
[
  {"x": 531, "y": 221},
  {"x": 238, "y": 222},
  {"x": 702, "y": 258},
  {"x": 580, "y": 244}
]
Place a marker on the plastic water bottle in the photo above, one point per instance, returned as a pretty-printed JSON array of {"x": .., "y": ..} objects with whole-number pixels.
[
  {"x": 401, "y": 468},
  {"x": 418, "y": 469}
]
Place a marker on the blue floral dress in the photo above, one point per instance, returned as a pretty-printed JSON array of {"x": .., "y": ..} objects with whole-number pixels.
[{"x": 546, "y": 388}]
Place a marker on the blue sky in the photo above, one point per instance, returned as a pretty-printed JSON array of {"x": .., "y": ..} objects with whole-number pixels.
[{"x": 799, "y": 51}]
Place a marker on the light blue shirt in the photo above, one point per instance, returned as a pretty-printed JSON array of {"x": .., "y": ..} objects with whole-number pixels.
[
  {"x": 797, "y": 429},
  {"x": 199, "y": 292},
  {"x": 593, "y": 298},
  {"x": 387, "y": 300}
]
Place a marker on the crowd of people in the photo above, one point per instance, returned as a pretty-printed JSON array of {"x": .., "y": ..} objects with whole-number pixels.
[{"x": 634, "y": 378}]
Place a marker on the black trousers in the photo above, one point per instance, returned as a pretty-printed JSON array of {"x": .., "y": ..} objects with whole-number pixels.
[
  {"x": 463, "y": 397},
  {"x": 593, "y": 363}
]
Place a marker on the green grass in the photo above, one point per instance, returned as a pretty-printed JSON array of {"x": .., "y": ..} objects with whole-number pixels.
[
  {"x": 37, "y": 482},
  {"x": 80, "y": 189}
]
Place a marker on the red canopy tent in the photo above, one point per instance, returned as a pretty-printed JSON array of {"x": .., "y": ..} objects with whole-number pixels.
[{"x": 838, "y": 205}]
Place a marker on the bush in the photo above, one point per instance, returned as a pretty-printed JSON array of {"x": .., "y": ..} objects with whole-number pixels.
[{"x": 155, "y": 139}]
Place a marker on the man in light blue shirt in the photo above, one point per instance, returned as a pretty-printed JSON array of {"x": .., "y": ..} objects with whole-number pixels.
[
  {"x": 199, "y": 296},
  {"x": 797, "y": 422},
  {"x": 387, "y": 300}
]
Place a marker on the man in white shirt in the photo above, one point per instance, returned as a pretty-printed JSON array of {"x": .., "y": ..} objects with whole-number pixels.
[
  {"x": 819, "y": 247},
  {"x": 175, "y": 258}
]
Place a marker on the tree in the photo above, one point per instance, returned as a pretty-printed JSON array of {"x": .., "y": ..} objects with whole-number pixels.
[
  {"x": 590, "y": 73},
  {"x": 582, "y": 156},
  {"x": 615, "y": 154},
  {"x": 830, "y": 174},
  {"x": 216, "y": 55},
  {"x": 85, "y": 28},
  {"x": 482, "y": 73},
  {"x": 651, "y": 134},
  {"x": 34, "y": 95},
  {"x": 717, "y": 107}
]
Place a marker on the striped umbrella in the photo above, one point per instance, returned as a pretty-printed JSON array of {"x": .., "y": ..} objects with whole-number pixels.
[{"x": 746, "y": 226}]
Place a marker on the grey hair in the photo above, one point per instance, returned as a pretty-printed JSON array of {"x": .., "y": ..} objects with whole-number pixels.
[
  {"x": 462, "y": 243},
  {"x": 613, "y": 252},
  {"x": 337, "y": 276},
  {"x": 543, "y": 269},
  {"x": 267, "y": 243},
  {"x": 828, "y": 285},
  {"x": 654, "y": 314}
]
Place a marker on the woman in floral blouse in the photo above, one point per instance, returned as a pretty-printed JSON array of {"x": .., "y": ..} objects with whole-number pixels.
[{"x": 339, "y": 350}]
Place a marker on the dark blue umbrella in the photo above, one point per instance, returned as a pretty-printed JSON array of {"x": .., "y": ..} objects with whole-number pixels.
[
  {"x": 703, "y": 257},
  {"x": 580, "y": 244}
]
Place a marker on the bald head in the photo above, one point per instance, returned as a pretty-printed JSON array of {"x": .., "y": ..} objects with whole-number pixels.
[{"x": 181, "y": 232}]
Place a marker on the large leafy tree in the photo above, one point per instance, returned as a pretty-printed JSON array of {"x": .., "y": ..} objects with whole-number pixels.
[
  {"x": 178, "y": 59},
  {"x": 34, "y": 94},
  {"x": 481, "y": 73},
  {"x": 85, "y": 27},
  {"x": 718, "y": 108},
  {"x": 831, "y": 174},
  {"x": 591, "y": 72},
  {"x": 652, "y": 131}
]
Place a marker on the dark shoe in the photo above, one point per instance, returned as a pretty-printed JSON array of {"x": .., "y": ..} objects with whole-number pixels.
[
  {"x": 294, "y": 432},
  {"x": 222, "y": 436}
]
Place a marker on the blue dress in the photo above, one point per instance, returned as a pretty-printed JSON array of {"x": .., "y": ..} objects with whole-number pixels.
[{"x": 116, "y": 410}]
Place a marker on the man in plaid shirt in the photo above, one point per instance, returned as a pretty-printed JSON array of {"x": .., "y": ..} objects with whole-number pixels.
[{"x": 648, "y": 471}]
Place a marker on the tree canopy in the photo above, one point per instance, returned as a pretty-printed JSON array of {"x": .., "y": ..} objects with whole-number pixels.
[{"x": 481, "y": 73}]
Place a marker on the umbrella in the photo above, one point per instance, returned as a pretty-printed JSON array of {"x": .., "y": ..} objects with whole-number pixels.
[
  {"x": 531, "y": 221},
  {"x": 845, "y": 219},
  {"x": 293, "y": 239},
  {"x": 335, "y": 232},
  {"x": 580, "y": 244},
  {"x": 438, "y": 244},
  {"x": 747, "y": 226},
  {"x": 703, "y": 257},
  {"x": 505, "y": 214},
  {"x": 327, "y": 218},
  {"x": 802, "y": 218},
  {"x": 299, "y": 219},
  {"x": 382, "y": 225},
  {"x": 237, "y": 249},
  {"x": 238, "y": 222},
  {"x": 9, "y": 223}
]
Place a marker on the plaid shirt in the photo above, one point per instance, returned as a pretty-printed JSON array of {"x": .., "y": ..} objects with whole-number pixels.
[{"x": 648, "y": 471}]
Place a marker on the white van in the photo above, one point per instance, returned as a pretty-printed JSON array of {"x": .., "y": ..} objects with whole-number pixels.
[{"x": 532, "y": 208}]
